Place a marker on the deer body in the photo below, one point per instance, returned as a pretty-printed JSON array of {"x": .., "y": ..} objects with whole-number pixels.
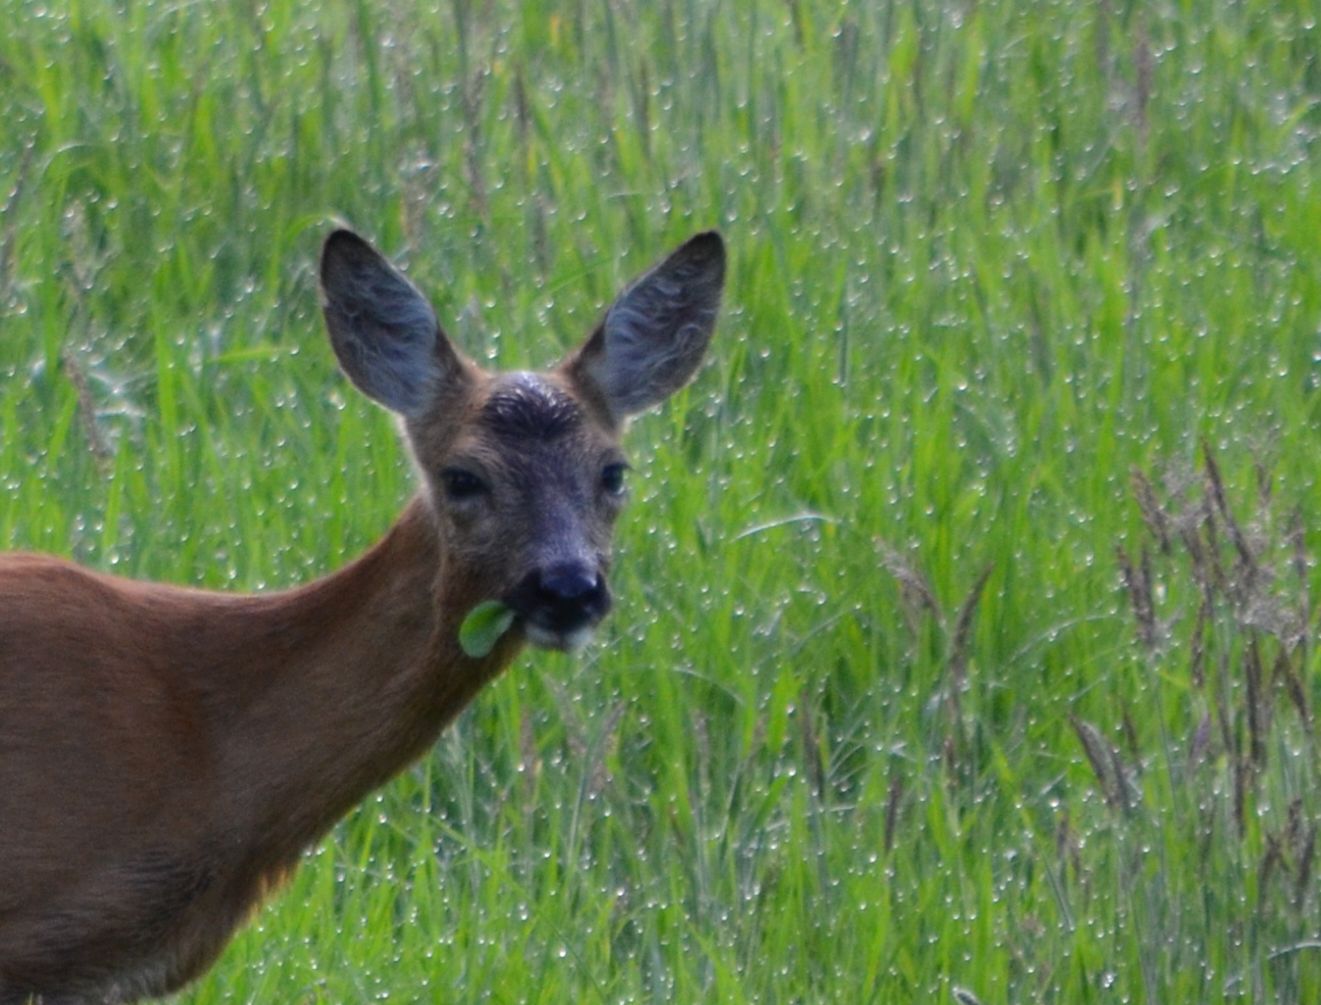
[{"x": 167, "y": 754}]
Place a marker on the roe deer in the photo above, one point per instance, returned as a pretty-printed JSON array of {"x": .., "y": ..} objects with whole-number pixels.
[{"x": 167, "y": 754}]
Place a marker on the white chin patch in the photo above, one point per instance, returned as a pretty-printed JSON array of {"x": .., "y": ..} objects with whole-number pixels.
[{"x": 567, "y": 641}]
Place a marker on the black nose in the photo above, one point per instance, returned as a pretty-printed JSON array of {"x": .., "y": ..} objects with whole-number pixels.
[
  {"x": 562, "y": 583},
  {"x": 563, "y": 596}
]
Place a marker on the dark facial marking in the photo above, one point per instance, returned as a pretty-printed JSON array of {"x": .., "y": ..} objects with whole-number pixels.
[{"x": 526, "y": 407}]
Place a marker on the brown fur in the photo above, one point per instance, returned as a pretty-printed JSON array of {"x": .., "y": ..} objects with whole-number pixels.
[{"x": 167, "y": 754}]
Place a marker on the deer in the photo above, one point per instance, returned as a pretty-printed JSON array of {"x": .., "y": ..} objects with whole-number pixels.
[{"x": 168, "y": 754}]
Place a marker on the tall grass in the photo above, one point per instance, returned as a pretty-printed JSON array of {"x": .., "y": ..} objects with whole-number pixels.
[{"x": 875, "y": 718}]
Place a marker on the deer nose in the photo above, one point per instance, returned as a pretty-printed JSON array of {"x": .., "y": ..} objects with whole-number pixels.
[
  {"x": 568, "y": 582},
  {"x": 562, "y": 597}
]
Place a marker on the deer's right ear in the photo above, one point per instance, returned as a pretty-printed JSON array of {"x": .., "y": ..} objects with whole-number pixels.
[{"x": 383, "y": 330}]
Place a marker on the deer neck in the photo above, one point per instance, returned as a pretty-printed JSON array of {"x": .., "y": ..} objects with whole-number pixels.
[{"x": 351, "y": 679}]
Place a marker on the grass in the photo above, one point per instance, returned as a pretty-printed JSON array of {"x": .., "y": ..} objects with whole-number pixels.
[{"x": 893, "y": 707}]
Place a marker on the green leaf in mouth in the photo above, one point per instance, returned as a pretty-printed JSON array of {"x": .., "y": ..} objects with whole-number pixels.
[{"x": 483, "y": 626}]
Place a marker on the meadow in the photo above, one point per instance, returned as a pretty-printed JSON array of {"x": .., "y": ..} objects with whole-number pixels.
[{"x": 965, "y": 637}]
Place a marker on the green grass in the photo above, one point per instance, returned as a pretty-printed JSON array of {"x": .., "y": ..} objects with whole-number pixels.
[{"x": 987, "y": 260}]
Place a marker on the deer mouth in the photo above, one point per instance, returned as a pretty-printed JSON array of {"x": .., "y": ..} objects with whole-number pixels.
[
  {"x": 562, "y": 641},
  {"x": 561, "y": 628}
]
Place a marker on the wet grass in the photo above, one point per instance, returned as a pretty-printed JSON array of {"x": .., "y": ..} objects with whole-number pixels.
[{"x": 966, "y": 635}]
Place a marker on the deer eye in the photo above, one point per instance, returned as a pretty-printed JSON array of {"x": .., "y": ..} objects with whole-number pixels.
[
  {"x": 461, "y": 485},
  {"x": 612, "y": 478}
]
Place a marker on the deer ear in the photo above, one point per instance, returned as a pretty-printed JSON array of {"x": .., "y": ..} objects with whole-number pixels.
[
  {"x": 383, "y": 330},
  {"x": 654, "y": 336}
]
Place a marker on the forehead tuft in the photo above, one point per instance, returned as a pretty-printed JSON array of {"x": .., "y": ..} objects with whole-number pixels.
[{"x": 524, "y": 405}]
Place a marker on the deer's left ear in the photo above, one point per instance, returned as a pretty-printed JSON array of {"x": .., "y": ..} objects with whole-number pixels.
[{"x": 654, "y": 336}]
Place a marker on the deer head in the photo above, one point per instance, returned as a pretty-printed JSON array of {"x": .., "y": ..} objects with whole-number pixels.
[{"x": 523, "y": 472}]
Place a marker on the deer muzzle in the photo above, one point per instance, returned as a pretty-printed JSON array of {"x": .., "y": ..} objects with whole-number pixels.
[{"x": 560, "y": 604}]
